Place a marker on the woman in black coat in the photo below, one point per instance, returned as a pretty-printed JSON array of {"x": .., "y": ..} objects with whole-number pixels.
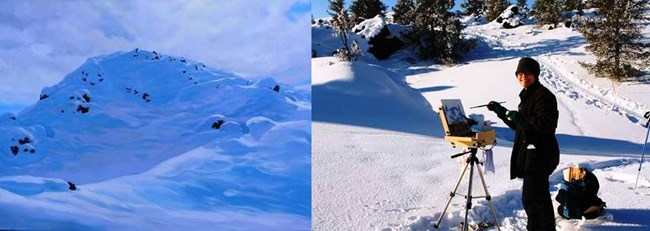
[{"x": 535, "y": 153}]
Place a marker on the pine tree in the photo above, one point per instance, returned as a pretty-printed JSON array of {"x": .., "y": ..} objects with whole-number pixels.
[
  {"x": 614, "y": 38},
  {"x": 365, "y": 9},
  {"x": 429, "y": 16},
  {"x": 473, "y": 7},
  {"x": 342, "y": 26},
  {"x": 335, "y": 6},
  {"x": 522, "y": 3},
  {"x": 404, "y": 12},
  {"x": 523, "y": 8},
  {"x": 495, "y": 8},
  {"x": 570, "y": 5},
  {"x": 588, "y": 4},
  {"x": 547, "y": 12},
  {"x": 437, "y": 33}
]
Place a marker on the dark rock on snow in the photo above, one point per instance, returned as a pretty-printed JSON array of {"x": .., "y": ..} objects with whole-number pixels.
[
  {"x": 72, "y": 186},
  {"x": 82, "y": 109},
  {"x": 14, "y": 150},
  {"x": 217, "y": 125}
]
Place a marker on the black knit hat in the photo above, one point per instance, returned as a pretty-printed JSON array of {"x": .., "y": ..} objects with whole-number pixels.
[{"x": 528, "y": 65}]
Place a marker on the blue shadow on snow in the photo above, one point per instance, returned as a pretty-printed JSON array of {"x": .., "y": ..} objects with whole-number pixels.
[
  {"x": 435, "y": 88},
  {"x": 591, "y": 146}
]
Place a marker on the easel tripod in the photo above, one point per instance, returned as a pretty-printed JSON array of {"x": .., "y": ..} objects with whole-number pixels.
[
  {"x": 458, "y": 133},
  {"x": 472, "y": 162}
]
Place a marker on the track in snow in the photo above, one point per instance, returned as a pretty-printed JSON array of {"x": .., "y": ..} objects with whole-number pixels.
[{"x": 559, "y": 81}]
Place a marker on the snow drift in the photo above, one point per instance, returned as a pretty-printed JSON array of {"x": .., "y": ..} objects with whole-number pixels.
[
  {"x": 369, "y": 90},
  {"x": 163, "y": 141}
]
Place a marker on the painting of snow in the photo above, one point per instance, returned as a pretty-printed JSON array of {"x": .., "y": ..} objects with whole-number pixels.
[{"x": 142, "y": 139}]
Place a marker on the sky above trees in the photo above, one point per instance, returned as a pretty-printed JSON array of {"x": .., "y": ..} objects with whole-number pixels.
[
  {"x": 319, "y": 7},
  {"x": 42, "y": 41}
]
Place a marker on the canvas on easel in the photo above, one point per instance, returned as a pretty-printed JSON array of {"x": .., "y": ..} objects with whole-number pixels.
[
  {"x": 455, "y": 122},
  {"x": 457, "y": 129}
]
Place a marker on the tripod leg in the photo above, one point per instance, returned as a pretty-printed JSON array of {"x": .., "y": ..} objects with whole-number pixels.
[
  {"x": 488, "y": 197},
  {"x": 468, "y": 204},
  {"x": 451, "y": 196}
]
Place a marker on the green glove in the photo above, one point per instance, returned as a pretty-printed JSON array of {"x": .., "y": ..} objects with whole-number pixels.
[
  {"x": 497, "y": 108},
  {"x": 513, "y": 116}
]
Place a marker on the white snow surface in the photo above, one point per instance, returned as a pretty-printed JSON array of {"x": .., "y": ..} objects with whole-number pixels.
[
  {"x": 380, "y": 161},
  {"x": 473, "y": 19},
  {"x": 151, "y": 153},
  {"x": 370, "y": 27}
]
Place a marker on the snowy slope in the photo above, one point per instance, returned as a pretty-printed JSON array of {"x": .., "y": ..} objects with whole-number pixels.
[
  {"x": 159, "y": 142},
  {"x": 370, "y": 176},
  {"x": 380, "y": 89}
]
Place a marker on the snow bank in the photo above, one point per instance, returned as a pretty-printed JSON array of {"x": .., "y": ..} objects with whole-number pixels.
[
  {"x": 473, "y": 19},
  {"x": 162, "y": 142},
  {"x": 369, "y": 28},
  {"x": 369, "y": 90}
]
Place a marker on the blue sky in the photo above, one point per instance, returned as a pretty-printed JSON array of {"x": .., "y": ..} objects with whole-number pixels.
[{"x": 42, "y": 41}]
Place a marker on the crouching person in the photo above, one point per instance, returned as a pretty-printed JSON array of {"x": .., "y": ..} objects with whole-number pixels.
[{"x": 578, "y": 195}]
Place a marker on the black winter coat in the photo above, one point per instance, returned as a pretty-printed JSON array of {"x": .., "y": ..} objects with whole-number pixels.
[{"x": 536, "y": 127}]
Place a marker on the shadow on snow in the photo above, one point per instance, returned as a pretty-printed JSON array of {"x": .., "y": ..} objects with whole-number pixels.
[
  {"x": 342, "y": 102},
  {"x": 583, "y": 145}
]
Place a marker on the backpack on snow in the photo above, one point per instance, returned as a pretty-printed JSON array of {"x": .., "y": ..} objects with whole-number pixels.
[{"x": 578, "y": 195}]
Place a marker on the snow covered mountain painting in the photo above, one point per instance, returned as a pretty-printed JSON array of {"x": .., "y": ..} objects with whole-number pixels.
[
  {"x": 161, "y": 142},
  {"x": 152, "y": 141},
  {"x": 380, "y": 160},
  {"x": 154, "y": 115}
]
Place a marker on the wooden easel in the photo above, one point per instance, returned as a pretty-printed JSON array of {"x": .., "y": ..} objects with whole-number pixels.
[{"x": 458, "y": 133}]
